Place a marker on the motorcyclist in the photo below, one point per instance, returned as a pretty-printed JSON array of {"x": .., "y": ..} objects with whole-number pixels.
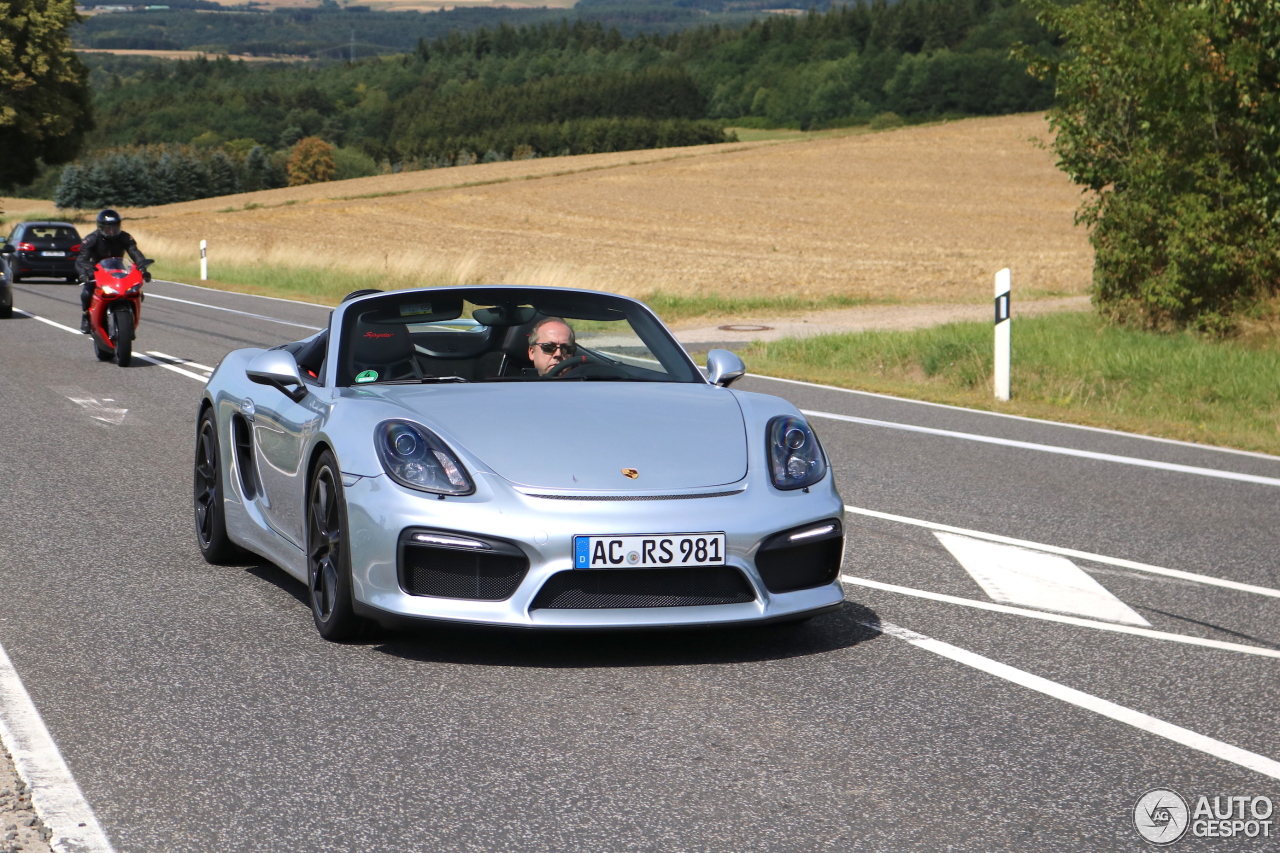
[{"x": 107, "y": 242}]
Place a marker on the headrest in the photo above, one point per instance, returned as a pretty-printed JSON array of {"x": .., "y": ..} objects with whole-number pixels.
[
  {"x": 381, "y": 343},
  {"x": 516, "y": 341}
]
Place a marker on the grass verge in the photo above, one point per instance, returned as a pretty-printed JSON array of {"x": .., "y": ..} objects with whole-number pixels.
[
  {"x": 1071, "y": 367},
  {"x": 327, "y": 285}
]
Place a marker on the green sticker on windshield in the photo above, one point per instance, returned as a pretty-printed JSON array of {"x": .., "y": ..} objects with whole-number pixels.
[{"x": 367, "y": 376}]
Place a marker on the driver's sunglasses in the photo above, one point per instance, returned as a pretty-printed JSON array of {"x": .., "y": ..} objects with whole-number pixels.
[{"x": 550, "y": 348}]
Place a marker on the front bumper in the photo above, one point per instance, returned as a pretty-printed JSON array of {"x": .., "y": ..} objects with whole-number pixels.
[{"x": 378, "y": 510}]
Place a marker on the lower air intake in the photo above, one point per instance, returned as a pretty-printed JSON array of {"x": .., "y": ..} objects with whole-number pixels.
[
  {"x": 586, "y": 589},
  {"x": 802, "y": 558},
  {"x": 450, "y": 573}
]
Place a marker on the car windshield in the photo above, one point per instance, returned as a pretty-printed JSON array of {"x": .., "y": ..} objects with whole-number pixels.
[{"x": 494, "y": 334}]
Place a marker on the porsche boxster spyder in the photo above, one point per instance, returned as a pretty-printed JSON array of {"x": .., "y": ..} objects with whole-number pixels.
[{"x": 517, "y": 456}]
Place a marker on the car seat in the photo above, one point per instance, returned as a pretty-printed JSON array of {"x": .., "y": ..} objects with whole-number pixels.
[{"x": 385, "y": 348}]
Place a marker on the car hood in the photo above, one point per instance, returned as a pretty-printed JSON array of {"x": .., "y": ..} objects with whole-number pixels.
[{"x": 582, "y": 435}]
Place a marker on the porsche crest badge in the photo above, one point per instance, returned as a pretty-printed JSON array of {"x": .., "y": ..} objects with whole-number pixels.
[{"x": 630, "y": 473}]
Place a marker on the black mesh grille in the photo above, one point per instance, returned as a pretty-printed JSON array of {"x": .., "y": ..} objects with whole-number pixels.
[
  {"x": 786, "y": 567},
  {"x": 449, "y": 573},
  {"x": 586, "y": 589}
]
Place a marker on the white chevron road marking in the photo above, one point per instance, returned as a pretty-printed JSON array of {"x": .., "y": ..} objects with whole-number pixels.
[
  {"x": 1035, "y": 579},
  {"x": 97, "y": 409}
]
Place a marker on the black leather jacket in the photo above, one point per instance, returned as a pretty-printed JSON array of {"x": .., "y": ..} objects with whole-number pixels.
[{"x": 98, "y": 246}]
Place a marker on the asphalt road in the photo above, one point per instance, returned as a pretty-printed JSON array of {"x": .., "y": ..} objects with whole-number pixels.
[{"x": 200, "y": 711}]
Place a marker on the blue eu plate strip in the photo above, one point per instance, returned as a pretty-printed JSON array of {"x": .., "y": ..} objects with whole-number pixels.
[{"x": 581, "y": 552}]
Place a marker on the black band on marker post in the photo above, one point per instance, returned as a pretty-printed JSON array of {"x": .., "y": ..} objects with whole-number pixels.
[{"x": 1002, "y": 307}]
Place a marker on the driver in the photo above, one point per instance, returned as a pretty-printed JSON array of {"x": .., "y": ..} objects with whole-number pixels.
[
  {"x": 550, "y": 342},
  {"x": 107, "y": 242}
]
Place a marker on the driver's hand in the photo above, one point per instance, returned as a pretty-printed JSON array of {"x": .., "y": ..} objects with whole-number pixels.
[{"x": 146, "y": 276}]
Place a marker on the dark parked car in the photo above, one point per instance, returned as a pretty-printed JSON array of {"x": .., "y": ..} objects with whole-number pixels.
[
  {"x": 43, "y": 250},
  {"x": 6, "y": 290}
]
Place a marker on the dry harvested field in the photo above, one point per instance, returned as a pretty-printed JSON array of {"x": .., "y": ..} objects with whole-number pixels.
[
  {"x": 406, "y": 5},
  {"x": 25, "y": 208},
  {"x": 191, "y": 54},
  {"x": 924, "y": 214}
]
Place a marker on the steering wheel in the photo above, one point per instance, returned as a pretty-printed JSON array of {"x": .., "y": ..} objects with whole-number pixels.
[{"x": 588, "y": 363}]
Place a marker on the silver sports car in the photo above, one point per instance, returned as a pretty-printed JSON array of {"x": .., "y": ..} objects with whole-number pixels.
[{"x": 518, "y": 456}]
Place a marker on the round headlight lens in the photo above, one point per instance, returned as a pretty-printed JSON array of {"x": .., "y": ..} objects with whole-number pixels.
[
  {"x": 414, "y": 456},
  {"x": 796, "y": 459},
  {"x": 406, "y": 443}
]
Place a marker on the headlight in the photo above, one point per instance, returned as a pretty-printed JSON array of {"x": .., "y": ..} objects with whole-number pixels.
[
  {"x": 413, "y": 456},
  {"x": 795, "y": 459},
  {"x": 133, "y": 291},
  {"x": 108, "y": 290}
]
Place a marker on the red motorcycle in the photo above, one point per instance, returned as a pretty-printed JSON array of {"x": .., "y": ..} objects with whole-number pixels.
[{"x": 116, "y": 308}]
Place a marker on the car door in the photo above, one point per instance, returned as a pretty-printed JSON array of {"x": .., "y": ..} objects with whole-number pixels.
[{"x": 282, "y": 431}]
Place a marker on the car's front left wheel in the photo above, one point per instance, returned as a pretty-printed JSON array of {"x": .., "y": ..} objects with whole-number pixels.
[{"x": 328, "y": 558}]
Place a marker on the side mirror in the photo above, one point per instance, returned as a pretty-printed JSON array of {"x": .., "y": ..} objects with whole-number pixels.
[
  {"x": 6, "y": 249},
  {"x": 724, "y": 368},
  {"x": 278, "y": 369}
]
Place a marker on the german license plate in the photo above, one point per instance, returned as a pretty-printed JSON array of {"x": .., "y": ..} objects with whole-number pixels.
[
  {"x": 54, "y": 254},
  {"x": 650, "y": 551}
]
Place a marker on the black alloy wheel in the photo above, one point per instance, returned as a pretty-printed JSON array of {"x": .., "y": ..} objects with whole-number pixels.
[
  {"x": 211, "y": 521},
  {"x": 328, "y": 561}
]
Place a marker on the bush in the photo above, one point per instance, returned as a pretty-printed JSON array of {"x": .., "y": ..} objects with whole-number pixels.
[
  {"x": 1169, "y": 114},
  {"x": 352, "y": 163}
]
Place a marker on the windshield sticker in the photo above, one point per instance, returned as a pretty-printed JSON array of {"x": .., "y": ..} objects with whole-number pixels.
[
  {"x": 367, "y": 376},
  {"x": 415, "y": 308}
]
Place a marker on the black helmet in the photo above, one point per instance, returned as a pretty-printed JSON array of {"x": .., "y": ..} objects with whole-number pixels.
[{"x": 109, "y": 223}]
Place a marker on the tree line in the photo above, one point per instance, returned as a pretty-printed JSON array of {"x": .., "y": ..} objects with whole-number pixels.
[
  {"x": 581, "y": 87},
  {"x": 142, "y": 176}
]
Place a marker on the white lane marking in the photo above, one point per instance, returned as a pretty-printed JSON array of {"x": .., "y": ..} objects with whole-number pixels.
[
  {"x": 1029, "y": 578},
  {"x": 1104, "y": 430},
  {"x": 97, "y": 409},
  {"x": 1150, "y": 633},
  {"x": 46, "y": 320},
  {"x": 173, "y": 359},
  {"x": 254, "y": 295},
  {"x": 173, "y": 367},
  {"x": 234, "y": 311},
  {"x": 1070, "y": 552},
  {"x": 196, "y": 376},
  {"x": 1051, "y": 448},
  {"x": 1145, "y": 722},
  {"x": 54, "y": 792}
]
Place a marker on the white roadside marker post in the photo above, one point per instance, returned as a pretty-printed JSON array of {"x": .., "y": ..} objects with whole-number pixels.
[
  {"x": 1002, "y": 335},
  {"x": 204, "y": 260}
]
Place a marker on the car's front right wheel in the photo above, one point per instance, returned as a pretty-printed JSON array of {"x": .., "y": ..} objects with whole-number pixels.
[
  {"x": 211, "y": 521},
  {"x": 328, "y": 558}
]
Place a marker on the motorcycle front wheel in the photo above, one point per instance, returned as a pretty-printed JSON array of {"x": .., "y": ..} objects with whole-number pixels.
[{"x": 122, "y": 336}]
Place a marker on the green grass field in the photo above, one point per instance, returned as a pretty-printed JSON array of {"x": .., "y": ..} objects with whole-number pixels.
[
  {"x": 1071, "y": 367},
  {"x": 328, "y": 285}
]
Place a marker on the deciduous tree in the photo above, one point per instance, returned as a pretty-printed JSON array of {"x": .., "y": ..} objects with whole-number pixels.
[
  {"x": 311, "y": 162},
  {"x": 44, "y": 88}
]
